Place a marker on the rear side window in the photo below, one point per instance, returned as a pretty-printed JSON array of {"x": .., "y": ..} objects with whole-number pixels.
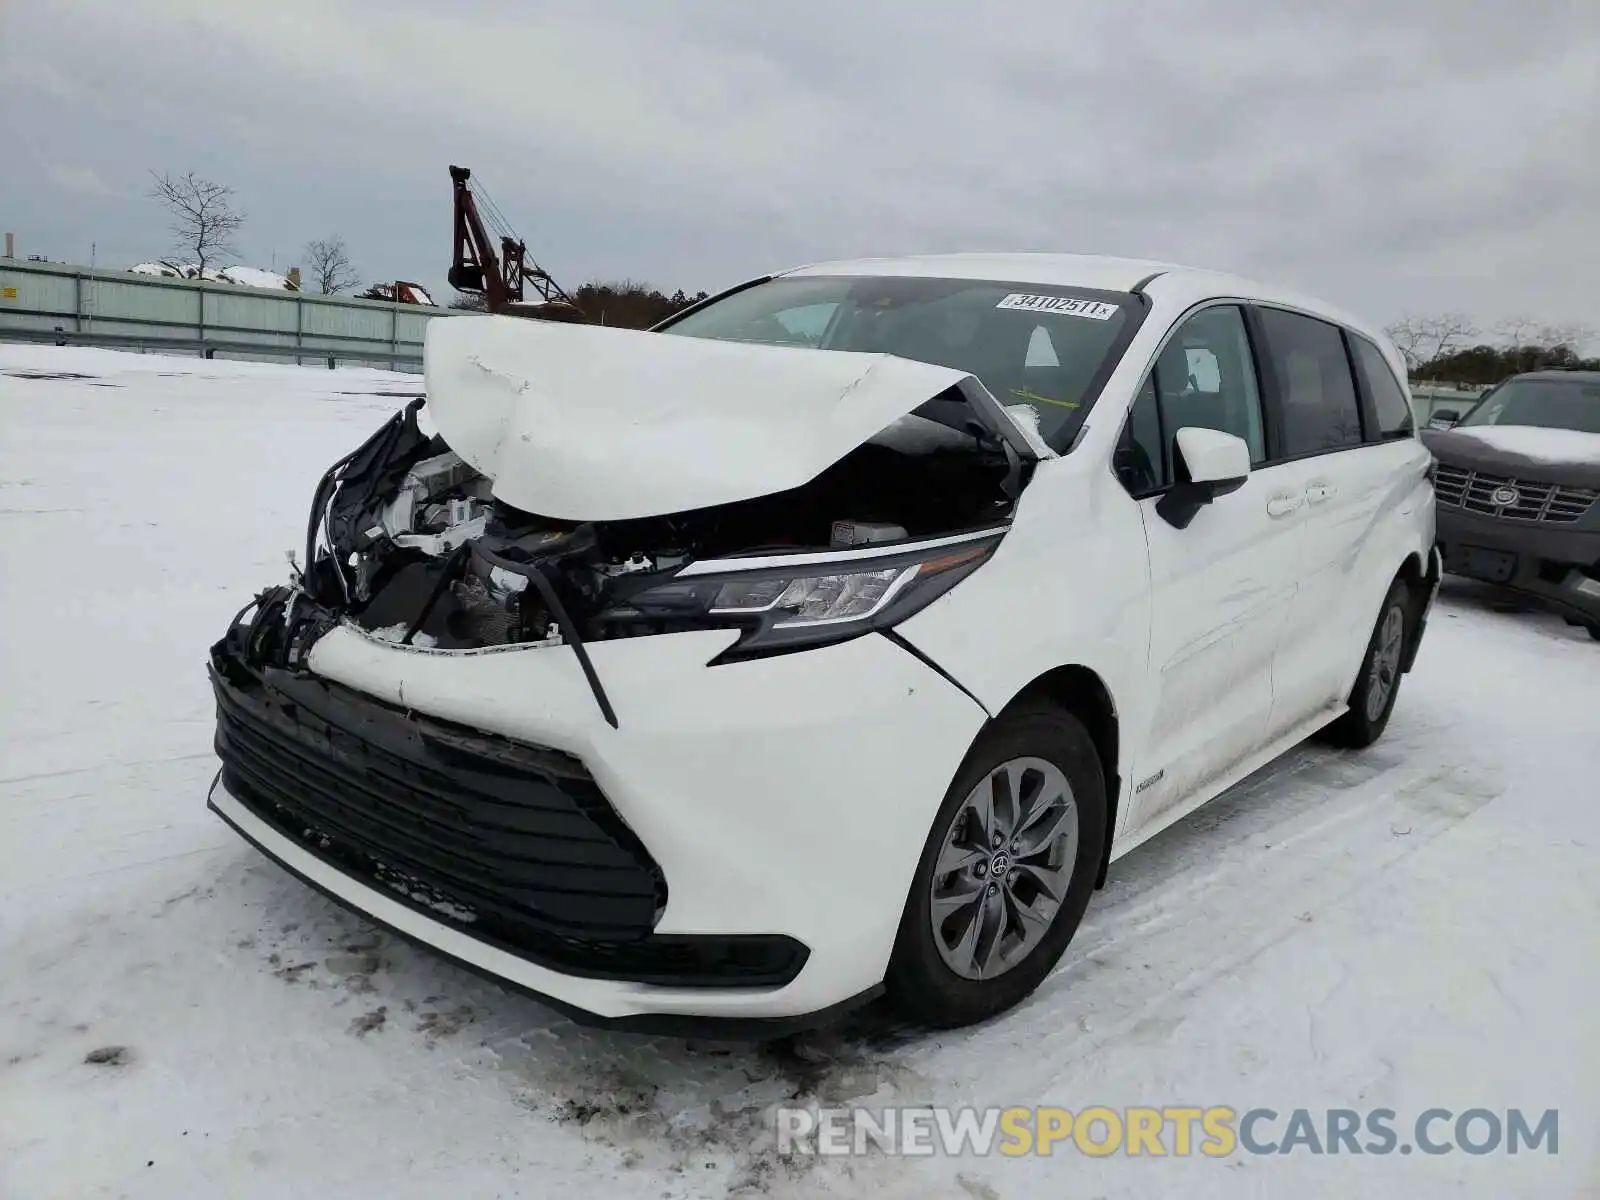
[
  {"x": 1389, "y": 402},
  {"x": 1317, "y": 394}
]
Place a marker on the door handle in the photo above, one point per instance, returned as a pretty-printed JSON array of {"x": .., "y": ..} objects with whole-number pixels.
[
  {"x": 1283, "y": 504},
  {"x": 1316, "y": 493}
]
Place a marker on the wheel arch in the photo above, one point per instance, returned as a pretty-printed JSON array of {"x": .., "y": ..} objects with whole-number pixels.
[
  {"x": 1420, "y": 579},
  {"x": 1082, "y": 692},
  {"x": 1411, "y": 570}
]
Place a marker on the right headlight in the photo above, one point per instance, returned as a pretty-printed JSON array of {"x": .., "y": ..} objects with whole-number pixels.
[{"x": 789, "y": 601}]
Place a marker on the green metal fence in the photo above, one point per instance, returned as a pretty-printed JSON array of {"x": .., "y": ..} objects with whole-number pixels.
[{"x": 56, "y": 302}]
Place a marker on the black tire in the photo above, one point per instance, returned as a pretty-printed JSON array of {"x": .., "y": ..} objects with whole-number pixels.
[
  {"x": 1594, "y": 632},
  {"x": 1362, "y": 725},
  {"x": 920, "y": 985}
]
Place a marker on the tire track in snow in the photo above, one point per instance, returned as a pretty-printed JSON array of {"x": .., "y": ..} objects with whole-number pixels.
[
  {"x": 101, "y": 768},
  {"x": 1313, "y": 832},
  {"x": 1291, "y": 831}
]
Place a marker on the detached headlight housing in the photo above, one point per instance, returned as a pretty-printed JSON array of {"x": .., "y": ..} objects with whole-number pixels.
[{"x": 790, "y": 601}]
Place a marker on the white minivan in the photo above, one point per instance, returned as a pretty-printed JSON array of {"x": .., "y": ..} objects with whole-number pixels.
[{"x": 831, "y": 640}]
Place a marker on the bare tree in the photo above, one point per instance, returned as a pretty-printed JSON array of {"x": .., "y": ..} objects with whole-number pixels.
[
  {"x": 1571, "y": 336},
  {"x": 1407, "y": 335},
  {"x": 204, "y": 218},
  {"x": 1423, "y": 339},
  {"x": 328, "y": 260},
  {"x": 1446, "y": 332},
  {"x": 1515, "y": 331}
]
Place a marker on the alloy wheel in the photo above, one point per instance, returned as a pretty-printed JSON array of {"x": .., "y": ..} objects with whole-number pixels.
[
  {"x": 1004, "y": 868},
  {"x": 1385, "y": 673}
]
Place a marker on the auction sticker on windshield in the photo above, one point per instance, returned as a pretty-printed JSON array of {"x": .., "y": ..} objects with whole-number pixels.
[{"x": 1061, "y": 306}]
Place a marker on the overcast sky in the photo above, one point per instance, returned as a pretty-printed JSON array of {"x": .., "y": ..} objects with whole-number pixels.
[{"x": 1389, "y": 155}]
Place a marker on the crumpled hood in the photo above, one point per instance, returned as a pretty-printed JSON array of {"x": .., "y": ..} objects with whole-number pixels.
[
  {"x": 587, "y": 423},
  {"x": 1567, "y": 457}
]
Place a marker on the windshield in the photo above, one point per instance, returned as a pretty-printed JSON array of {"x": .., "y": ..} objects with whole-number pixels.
[
  {"x": 1546, "y": 403},
  {"x": 1050, "y": 348}
]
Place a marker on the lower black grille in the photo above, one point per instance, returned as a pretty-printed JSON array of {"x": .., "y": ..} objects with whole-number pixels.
[{"x": 514, "y": 844}]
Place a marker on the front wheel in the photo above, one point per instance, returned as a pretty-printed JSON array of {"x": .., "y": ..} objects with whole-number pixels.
[
  {"x": 1378, "y": 685},
  {"x": 1006, "y": 872}
]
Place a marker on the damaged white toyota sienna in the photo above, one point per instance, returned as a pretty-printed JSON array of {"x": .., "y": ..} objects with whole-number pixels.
[{"x": 829, "y": 641}]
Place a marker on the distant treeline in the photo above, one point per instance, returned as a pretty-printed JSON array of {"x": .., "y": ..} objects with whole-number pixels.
[
  {"x": 626, "y": 304},
  {"x": 1447, "y": 347},
  {"x": 1482, "y": 366}
]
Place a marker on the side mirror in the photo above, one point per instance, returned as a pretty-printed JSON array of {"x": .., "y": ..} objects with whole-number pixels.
[
  {"x": 1443, "y": 418},
  {"x": 1208, "y": 464}
]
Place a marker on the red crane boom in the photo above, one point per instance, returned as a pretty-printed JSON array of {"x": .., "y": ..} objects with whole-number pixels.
[{"x": 501, "y": 279}]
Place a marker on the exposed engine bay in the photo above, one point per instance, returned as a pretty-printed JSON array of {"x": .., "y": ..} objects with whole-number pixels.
[{"x": 408, "y": 541}]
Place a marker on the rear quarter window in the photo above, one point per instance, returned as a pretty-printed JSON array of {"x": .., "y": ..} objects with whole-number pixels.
[{"x": 1390, "y": 403}]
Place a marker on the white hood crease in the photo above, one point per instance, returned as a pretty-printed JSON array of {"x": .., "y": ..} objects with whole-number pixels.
[{"x": 587, "y": 423}]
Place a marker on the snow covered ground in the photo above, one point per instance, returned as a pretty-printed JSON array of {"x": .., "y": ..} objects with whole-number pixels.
[{"x": 1415, "y": 927}]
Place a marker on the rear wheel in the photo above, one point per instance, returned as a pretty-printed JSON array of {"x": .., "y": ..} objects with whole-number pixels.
[
  {"x": 1378, "y": 684},
  {"x": 1006, "y": 872},
  {"x": 1594, "y": 632}
]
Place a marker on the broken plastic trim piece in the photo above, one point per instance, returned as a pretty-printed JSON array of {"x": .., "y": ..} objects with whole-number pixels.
[
  {"x": 1002, "y": 426},
  {"x": 568, "y": 627},
  {"x": 365, "y": 469},
  {"x": 320, "y": 499}
]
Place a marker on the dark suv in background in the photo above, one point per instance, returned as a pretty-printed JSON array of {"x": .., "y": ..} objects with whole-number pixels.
[{"x": 1518, "y": 490}]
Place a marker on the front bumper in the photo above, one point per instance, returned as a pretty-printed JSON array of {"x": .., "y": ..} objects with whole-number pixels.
[
  {"x": 561, "y": 992},
  {"x": 1557, "y": 567},
  {"x": 783, "y": 803}
]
